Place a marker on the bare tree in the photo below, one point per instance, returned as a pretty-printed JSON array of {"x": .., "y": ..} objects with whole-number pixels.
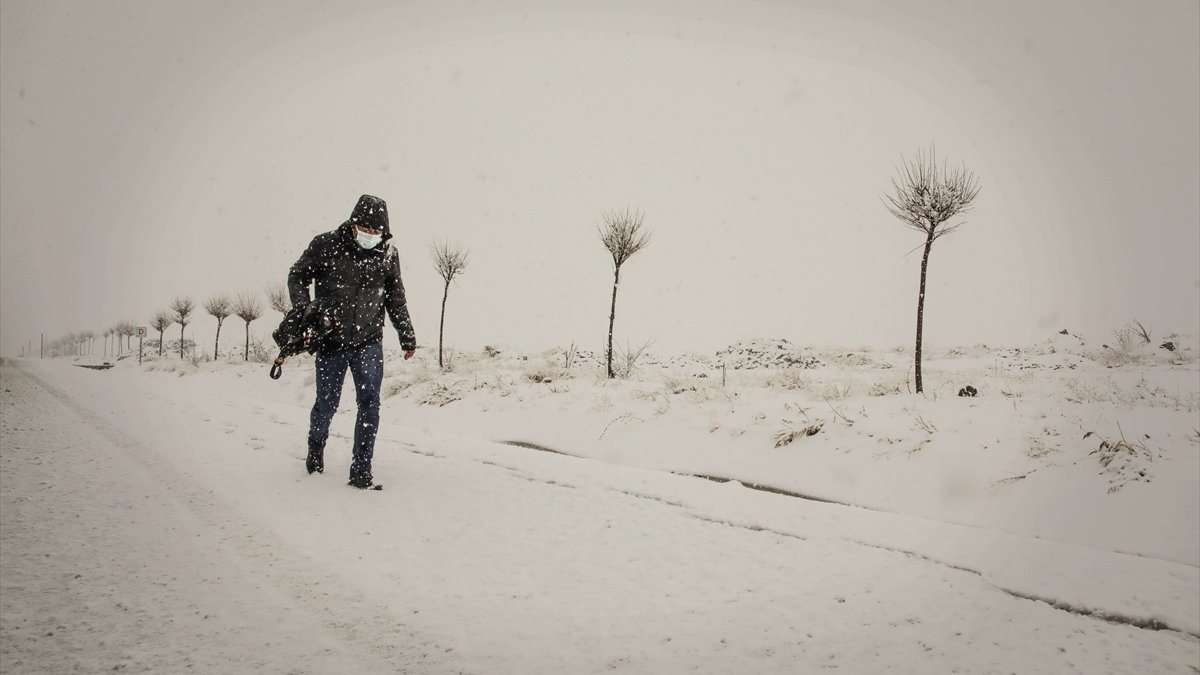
[
  {"x": 449, "y": 260},
  {"x": 183, "y": 309},
  {"x": 124, "y": 329},
  {"x": 128, "y": 330},
  {"x": 924, "y": 197},
  {"x": 248, "y": 308},
  {"x": 278, "y": 298},
  {"x": 622, "y": 234},
  {"x": 160, "y": 322},
  {"x": 219, "y": 306}
]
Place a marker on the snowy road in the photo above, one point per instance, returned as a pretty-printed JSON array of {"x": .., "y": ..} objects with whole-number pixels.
[{"x": 153, "y": 527}]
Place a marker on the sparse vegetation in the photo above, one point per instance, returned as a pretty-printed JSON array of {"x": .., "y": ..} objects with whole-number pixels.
[
  {"x": 440, "y": 395},
  {"x": 626, "y": 361},
  {"x": 925, "y": 425}
]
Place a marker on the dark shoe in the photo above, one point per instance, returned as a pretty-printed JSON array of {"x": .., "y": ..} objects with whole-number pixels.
[
  {"x": 314, "y": 463},
  {"x": 363, "y": 483}
]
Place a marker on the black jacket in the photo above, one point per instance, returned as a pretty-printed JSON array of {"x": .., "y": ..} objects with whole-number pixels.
[{"x": 353, "y": 284}]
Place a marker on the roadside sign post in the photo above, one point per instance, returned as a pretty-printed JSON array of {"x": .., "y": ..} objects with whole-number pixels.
[{"x": 140, "y": 332}]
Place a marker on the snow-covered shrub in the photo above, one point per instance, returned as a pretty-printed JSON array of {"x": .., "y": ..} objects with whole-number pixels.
[
  {"x": 439, "y": 395},
  {"x": 788, "y": 434},
  {"x": 259, "y": 353},
  {"x": 1123, "y": 461},
  {"x": 678, "y": 385},
  {"x": 449, "y": 360},
  {"x": 1036, "y": 448},
  {"x": 402, "y": 383},
  {"x": 569, "y": 355},
  {"x": 1143, "y": 392},
  {"x": 626, "y": 360},
  {"x": 661, "y": 398},
  {"x": 172, "y": 347},
  {"x": 1115, "y": 356},
  {"x": 1131, "y": 345},
  {"x": 853, "y": 359},
  {"x": 884, "y": 389},
  {"x": 545, "y": 374},
  {"x": 792, "y": 380},
  {"x": 836, "y": 391}
]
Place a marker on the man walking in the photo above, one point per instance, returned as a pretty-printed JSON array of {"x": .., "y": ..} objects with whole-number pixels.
[{"x": 355, "y": 274}]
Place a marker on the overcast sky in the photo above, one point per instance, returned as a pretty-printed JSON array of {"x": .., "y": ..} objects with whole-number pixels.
[{"x": 159, "y": 149}]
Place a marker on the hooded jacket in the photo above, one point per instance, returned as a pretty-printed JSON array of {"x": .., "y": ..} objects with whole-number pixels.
[{"x": 352, "y": 284}]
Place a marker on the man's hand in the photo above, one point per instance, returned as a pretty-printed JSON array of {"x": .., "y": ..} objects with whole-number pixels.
[{"x": 409, "y": 354}]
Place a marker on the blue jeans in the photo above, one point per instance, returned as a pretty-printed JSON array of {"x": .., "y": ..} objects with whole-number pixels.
[{"x": 366, "y": 366}]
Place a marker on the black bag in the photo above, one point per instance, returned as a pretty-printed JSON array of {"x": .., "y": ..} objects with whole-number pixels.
[{"x": 301, "y": 330}]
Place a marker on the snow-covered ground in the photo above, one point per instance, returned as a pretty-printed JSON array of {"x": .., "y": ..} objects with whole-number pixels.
[{"x": 791, "y": 512}]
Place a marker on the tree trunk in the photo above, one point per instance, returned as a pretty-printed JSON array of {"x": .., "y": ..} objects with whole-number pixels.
[
  {"x": 442, "y": 325},
  {"x": 160, "y": 342},
  {"x": 921, "y": 312},
  {"x": 247, "y": 340},
  {"x": 217, "y": 342},
  {"x": 612, "y": 319},
  {"x": 181, "y": 327}
]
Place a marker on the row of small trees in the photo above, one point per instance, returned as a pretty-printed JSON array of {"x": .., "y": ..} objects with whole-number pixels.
[
  {"x": 621, "y": 234},
  {"x": 924, "y": 197},
  {"x": 620, "y": 231},
  {"x": 245, "y": 306}
]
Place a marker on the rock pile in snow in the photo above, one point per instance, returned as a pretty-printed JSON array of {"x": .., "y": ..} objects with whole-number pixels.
[
  {"x": 765, "y": 353},
  {"x": 691, "y": 363}
]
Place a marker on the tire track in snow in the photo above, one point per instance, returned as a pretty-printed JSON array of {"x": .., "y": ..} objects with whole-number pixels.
[
  {"x": 715, "y": 479},
  {"x": 1109, "y": 617},
  {"x": 354, "y": 633},
  {"x": 1102, "y": 615}
]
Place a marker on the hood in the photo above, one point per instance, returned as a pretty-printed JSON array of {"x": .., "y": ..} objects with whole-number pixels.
[{"x": 369, "y": 212}]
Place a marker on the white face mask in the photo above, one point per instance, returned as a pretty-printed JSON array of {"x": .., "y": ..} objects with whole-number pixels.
[{"x": 367, "y": 241}]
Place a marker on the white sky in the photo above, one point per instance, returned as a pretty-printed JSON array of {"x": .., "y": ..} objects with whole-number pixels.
[{"x": 155, "y": 149}]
